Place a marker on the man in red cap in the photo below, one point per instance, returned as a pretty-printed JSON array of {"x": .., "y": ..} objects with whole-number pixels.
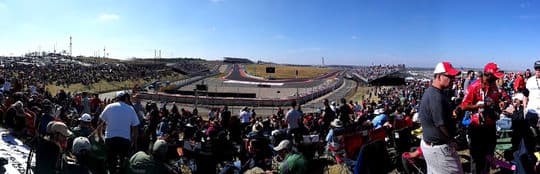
[
  {"x": 438, "y": 126},
  {"x": 482, "y": 99}
]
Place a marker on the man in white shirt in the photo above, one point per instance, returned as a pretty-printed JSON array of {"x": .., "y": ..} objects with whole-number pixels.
[
  {"x": 293, "y": 118},
  {"x": 120, "y": 122},
  {"x": 245, "y": 116},
  {"x": 533, "y": 86}
]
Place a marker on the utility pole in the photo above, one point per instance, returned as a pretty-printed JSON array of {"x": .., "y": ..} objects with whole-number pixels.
[{"x": 70, "y": 46}]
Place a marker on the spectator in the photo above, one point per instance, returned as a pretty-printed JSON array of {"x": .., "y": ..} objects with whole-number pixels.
[
  {"x": 520, "y": 125},
  {"x": 438, "y": 127},
  {"x": 519, "y": 83},
  {"x": 77, "y": 161},
  {"x": 50, "y": 147},
  {"x": 293, "y": 119},
  {"x": 84, "y": 129},
  {"x": 281, "y": 154},
  {"x": 141, "y": 163},
  {"x": 46, "y": 117},
  {"x": 533, "y": 87},
  {"x": 483, "y": 99},
  {"x": 225, "y": 117},
  {"x": 380, "y": 118},
  {"x": 345, "y": 112},
  {"x": 331, "y": 139},
  {"x": 293, "y": 162},
  {"x": 245, "y": 117},
  {"x": 120, "y": 122},
  {"x": 328, "y": 114}
]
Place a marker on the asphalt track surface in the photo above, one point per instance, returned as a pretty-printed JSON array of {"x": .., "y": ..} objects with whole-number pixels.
[{"x": 236, "y": 73}]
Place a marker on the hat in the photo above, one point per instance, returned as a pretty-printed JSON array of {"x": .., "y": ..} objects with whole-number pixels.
[
  {"x": 446, "y": 67},
  {"x": 80, "y": 144},
  {"x": 256, "y": 127},
  {"x": 120, "y": 93},
  {"x": 85, "y": 117},
  {"x": 284, "y": 144},
  {"x": 274, "y": 132},
  {"x": 537, "y": 64},
  {"x": 160, "y": 147},
  {"x": 254, "y": 170},
  {"x": 336, "y": 123},
  {"x": 19, "y": 104},
  {"x": 58, "y": 127},
  {"x": 493, "y": 69},
  {"x": 46, "y": 103},
  {"x": 518, "y": 96}
]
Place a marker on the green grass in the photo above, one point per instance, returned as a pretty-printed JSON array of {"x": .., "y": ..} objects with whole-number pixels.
[
  {"x": 104, "y": 86},
  {"x": 283, "y": 71},
  {"x": 361, "y": 91}
]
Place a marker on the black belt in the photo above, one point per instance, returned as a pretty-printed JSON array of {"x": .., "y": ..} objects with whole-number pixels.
[{"x": 434, "y": 143}]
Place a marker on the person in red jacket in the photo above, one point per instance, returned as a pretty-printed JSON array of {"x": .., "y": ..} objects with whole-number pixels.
[
  {"x": 482, "y": 99},
  {"x": 519, "y": 83}
]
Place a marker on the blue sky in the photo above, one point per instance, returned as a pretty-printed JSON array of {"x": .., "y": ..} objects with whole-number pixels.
[{"x": 351, "y": 32}]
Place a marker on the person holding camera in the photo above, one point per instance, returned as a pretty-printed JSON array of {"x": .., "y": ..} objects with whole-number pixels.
[
  {"x": 50, "y": 147},
  {"x": 482, "y": 98}
]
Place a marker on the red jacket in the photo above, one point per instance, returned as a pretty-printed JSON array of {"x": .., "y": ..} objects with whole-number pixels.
[
  {"x": 473, "y": 96},
  {"x": 519, "y": 83}
]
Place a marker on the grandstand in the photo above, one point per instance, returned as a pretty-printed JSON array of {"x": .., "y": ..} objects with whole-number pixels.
[
  {"x": 236, "y": 60},
  {"x": 189, "y": 68}
]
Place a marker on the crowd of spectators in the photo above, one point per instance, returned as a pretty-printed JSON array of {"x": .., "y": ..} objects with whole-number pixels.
[
  {"x": 76, "y": 132},
  {"x": 66, "y": 74},
  {"x": 189, "y": 68},
  {"x": 377, "y": 71}
]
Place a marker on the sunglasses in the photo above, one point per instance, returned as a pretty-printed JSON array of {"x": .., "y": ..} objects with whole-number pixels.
[{"x": 449, "y": 76}]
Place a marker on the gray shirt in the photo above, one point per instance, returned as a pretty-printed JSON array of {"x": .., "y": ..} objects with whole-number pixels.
[{"x": 435, "y": 112}]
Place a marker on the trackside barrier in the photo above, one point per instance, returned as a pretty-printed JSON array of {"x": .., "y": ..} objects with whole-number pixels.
[{"x": 232, "y": 101}]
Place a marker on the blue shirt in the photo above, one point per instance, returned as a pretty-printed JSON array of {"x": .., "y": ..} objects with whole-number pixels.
[{"x": 379, "y": 120}]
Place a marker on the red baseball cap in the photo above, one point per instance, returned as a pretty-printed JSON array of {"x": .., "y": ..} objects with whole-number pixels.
[
  {"x": 493, "y": 69},
  {"x": 446, "y": 67}
]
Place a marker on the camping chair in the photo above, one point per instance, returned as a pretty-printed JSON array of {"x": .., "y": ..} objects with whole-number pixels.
[{"x": 348, "y": 143}]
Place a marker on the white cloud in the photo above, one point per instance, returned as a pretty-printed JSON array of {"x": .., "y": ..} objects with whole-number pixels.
[
  {"x": 108, "y": 17},
  {"x": 216, "y": 1},
  {"x": 354, "y": 37}
]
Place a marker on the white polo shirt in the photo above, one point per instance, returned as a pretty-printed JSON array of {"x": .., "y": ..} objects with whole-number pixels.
[
  {"x": 119, "y": 117},
  {"x": 534, "y": 94}
]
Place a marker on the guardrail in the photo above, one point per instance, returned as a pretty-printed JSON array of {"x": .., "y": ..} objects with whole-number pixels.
[{"x": 233, "y": 101}]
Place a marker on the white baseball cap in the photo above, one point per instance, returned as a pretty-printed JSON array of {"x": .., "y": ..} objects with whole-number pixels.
[
  {"x": 284, "y": 144},
  {"x": 447, "y": 68},
  {"x": 85, "y": 117},
  {"x": 120, "y": 93}
]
